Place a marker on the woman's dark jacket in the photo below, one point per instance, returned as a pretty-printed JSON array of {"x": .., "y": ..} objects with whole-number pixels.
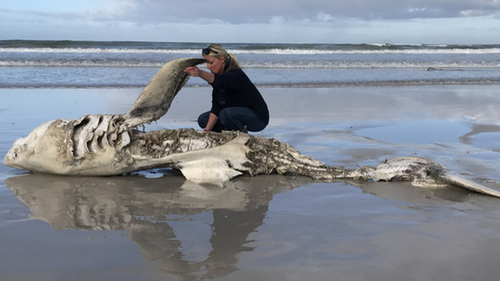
[{"x": 234, "y": 89}]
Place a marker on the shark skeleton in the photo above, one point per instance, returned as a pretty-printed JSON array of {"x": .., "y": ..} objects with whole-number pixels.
[{"x": 106, "y": 144}]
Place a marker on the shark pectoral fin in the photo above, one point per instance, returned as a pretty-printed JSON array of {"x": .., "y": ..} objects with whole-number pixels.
[{"x": 213, "y": 171}]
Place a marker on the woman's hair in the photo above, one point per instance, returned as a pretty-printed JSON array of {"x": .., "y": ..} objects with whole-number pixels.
[{"x": 216, "y": 50}]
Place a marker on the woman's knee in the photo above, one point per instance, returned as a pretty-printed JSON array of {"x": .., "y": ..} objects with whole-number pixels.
[
  {"x": 203, "y": 119},
  {"x": 226, "y": 120},
  {"x": 241, "y": 119}
]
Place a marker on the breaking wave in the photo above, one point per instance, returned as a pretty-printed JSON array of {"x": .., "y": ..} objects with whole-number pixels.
[{"x": 25, "y": 63}]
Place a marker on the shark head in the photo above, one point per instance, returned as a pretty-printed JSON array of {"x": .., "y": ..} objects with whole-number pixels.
[
  {"x": 70, "y": 147},
  {"x": 37, "y": 150}
]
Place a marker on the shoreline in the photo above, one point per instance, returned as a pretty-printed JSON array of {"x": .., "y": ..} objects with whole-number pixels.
[{"x": 391, "y": 83}]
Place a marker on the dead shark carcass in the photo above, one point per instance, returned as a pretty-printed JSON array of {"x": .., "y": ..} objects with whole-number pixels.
[{"x": 103, "y": 145}]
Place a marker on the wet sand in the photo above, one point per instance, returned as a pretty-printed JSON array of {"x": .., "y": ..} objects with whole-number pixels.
[{"x": 157, "y": 226}]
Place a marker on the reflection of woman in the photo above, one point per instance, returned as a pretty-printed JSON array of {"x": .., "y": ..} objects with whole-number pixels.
[{"x": 236, "y": 102}]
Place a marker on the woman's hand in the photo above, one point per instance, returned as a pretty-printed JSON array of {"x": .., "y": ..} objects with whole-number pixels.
[
  {"x": 193, "y": 71},
  {"x": 196, "y": 72}
]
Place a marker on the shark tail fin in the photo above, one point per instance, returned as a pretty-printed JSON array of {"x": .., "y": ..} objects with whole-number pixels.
[{"x": 457, "y": 180}]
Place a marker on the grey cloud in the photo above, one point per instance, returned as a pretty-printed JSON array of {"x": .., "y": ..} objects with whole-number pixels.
[
  {"x": 262, "y": 11},
  {"x": 37, "y": 15}
]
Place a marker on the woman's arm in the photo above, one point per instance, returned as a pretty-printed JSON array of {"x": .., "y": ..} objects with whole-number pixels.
[{"x": 196, "y": 72}]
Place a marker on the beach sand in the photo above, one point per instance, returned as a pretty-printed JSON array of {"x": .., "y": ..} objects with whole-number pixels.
[{"x": 157, "y": 226}]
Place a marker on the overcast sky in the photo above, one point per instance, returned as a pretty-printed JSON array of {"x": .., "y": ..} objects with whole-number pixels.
[{"x": 255, "y": 21}]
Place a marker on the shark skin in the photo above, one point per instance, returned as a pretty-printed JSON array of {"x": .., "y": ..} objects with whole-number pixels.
[
  {"x": 157, "y": 96},
  {"x": 105, "y": 145}
]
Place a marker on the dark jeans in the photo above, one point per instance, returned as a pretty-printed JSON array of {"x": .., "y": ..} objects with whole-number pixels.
[{"x": 234, "y": 118}]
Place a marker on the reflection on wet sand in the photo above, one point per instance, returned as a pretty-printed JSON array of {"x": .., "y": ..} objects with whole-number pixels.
[
  {"x": 405, "y": 192},
  {"x": 147, "y": 208},
  {"x": 163, "y": 216}
]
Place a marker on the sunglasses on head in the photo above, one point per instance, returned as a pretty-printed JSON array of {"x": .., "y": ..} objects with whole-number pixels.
[{"x": 207, "y": 51}]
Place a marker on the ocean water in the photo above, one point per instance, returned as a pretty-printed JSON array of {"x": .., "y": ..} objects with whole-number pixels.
[{"x": 87, "y": 64}]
